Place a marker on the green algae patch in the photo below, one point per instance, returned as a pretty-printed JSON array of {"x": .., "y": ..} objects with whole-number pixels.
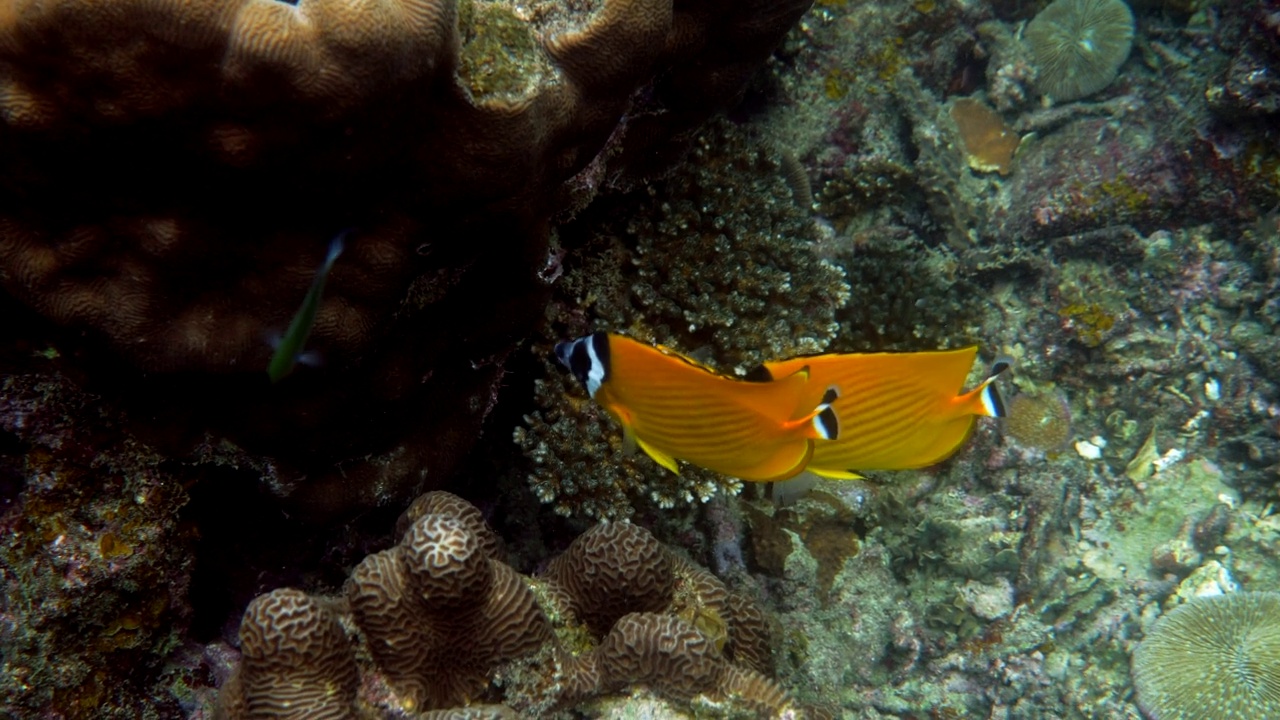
[
  {"x": 500, "y": 59},
  {"x": 1134, "y": 531}
]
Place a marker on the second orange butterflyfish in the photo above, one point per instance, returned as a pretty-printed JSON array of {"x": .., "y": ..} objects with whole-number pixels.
[{"x": 897, "y": 410}]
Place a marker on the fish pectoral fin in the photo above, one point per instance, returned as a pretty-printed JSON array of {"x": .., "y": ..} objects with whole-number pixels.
[
  {"x": 834, "y": 474},
  {"x": 821, "y": 422},
  {"x": 658, "y": 456},
  {"x": 628, "y": 442}
]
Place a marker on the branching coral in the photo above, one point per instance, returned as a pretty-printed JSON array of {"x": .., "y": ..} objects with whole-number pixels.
[
  {"x": 716, "y": 260},
  {"x": 441, "y": 619}
]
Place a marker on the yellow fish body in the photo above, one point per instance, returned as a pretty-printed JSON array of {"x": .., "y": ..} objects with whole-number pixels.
[
  {"x": 674, "y": 408},
  {"x": 897, "y": 410}
]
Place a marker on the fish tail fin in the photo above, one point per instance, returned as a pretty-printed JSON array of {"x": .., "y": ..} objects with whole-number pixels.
[
  {"x": 336, "y": 246},
  {"x": 821, "y": 422},
  {"x": 985, "y": 400}
]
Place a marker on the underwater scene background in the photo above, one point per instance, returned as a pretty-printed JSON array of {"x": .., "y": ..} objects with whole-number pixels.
[{"x": 424, "y": 516}]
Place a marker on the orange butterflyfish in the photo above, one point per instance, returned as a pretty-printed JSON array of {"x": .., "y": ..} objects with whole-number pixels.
[
  {"x": 677, "y": 409},
  {"x": 897, "y": 410}
]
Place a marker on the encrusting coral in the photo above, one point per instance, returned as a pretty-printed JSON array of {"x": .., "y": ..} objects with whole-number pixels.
[
  {"x": 172, "y": 172},
  {"x": 438, "y": 621}
]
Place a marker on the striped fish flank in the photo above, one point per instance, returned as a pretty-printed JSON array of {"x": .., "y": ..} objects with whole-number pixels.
[{"x": 898, "y": 410}]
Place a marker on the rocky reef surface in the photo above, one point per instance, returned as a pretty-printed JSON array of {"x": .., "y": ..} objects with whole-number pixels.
[{"x": 890, "y": 176}]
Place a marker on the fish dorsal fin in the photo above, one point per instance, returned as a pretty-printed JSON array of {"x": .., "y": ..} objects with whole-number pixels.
[
  {"x": 797, "y": 382},
  {"x": 671, "y": 352}
]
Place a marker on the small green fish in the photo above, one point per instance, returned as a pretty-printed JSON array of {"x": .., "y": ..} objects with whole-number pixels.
[{"x": 289, "y": 348}]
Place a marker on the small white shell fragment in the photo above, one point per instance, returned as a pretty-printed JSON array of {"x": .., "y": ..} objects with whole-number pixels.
[
  {"x": 1099, "y": 441},
  {"x": 1087, "y": 450},
  {"x": 1168, "y": 459},
  {"x": 1212, "y": 390}
]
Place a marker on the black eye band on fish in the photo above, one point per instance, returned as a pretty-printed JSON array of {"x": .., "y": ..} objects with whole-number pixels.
[{"x": 588, "y": 359}]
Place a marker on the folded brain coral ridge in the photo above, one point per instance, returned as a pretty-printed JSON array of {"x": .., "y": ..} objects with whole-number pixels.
[{"x": 437, "y": 620}]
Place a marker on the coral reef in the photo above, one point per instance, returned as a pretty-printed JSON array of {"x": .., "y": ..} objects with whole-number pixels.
[
  {"x": 96, "y": 564},
  {"x": 1040, "y": 421},
  {"x": 1079, "y": 46},
  {"x": 989, "y": 143},
  {"x": 1128, "y": 261},
  {"x": 295, "y": 661},
  {"x": 1215, "y": 656},
  {"x": 747, "y": 285},
  {"x": 174, "y": 172},
  {"x": 438, "y": 621}
]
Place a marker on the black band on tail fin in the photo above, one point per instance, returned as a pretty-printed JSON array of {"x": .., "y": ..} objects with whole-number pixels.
[
  {"x": 990, "y": 395},
  {"x": 992, "y": 400}
]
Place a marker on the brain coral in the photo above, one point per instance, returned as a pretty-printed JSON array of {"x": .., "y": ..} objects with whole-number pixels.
[
  {"x": 442, "y": 623},
  {"x": 171, "y": 173},
  {"x": 1079, "y": 46},
  {"x": 1214, "y": 657},
  {"x": 295, "y": 662}
]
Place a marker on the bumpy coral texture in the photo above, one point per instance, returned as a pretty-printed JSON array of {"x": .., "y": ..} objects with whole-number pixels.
[
  {"x": 611, "y": 570},
  {"x": 229, "y": 140},
  {"x": 95, "y": 560},
  {"x": 171, "y": 174},
  {"x": 296, "y": 661},
  {"x": 617, "y": 568},
  {"x": 440, "y": 613},
  {"x": 441, "y": 620},
  {"x": 1216, "y": 656}
]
